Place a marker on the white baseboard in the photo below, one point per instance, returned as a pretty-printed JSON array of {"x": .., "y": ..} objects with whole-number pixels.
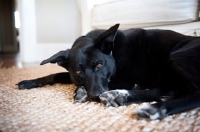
[
  {"x": 46, "y": 50},
  {"x": 41, "y": 51}
]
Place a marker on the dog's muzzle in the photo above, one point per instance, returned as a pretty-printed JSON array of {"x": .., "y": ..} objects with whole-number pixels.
[{"x": 94, "y": 98}]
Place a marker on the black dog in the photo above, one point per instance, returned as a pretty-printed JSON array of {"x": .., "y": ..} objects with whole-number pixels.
[{"x": 149, "y": 65}]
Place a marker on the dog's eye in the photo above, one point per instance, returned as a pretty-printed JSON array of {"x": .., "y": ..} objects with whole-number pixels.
[
  {"x": 78, "y": 72},
  {"x": 99, "y": 65}
]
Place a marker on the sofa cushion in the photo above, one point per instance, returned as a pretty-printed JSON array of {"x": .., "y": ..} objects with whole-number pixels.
[{"x": 144, "y": 13}]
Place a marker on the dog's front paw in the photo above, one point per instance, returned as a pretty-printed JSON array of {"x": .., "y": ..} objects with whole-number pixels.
[
  {"x": 27, "y": 84},
  {"x": 151, "y": 111},
  {"x": 80, "y": 95},
  {"x": 114, "y": 98}
]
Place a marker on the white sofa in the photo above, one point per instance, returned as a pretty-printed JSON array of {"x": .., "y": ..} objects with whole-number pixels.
[{"x": 182, "y": 16}]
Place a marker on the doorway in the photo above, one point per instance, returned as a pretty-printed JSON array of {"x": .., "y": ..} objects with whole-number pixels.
[{"x": 9, "y": 45}]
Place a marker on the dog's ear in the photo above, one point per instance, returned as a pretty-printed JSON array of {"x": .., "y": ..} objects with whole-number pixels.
[
  {"x": 105, "y": 40},
  {"x": 61, "y": 58}
]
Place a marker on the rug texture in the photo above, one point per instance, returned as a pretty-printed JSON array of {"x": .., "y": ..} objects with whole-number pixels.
[{"x": 51, "y": 108}]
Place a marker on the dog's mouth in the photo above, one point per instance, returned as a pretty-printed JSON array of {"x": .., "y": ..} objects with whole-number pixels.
[{"x": 94, "y": 98}]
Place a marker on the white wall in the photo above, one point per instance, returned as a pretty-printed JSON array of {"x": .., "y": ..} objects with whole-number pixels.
[
  {"x": 58, "y": 21},
  {"x": 47, "y": 26},
  {"x": 27, "y": 31}
]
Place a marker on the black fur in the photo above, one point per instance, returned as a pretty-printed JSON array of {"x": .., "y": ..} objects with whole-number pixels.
[{"x": 149, "y": 64}]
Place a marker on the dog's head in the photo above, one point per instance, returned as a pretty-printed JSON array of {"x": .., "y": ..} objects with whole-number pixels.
[{"x": 89, "y": 61}]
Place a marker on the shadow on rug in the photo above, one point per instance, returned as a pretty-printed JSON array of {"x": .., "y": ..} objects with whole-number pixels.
[{"x": 51, "y": 108}]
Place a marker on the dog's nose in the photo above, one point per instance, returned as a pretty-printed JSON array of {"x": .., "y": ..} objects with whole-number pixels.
[{"x": 94, "y": 98}]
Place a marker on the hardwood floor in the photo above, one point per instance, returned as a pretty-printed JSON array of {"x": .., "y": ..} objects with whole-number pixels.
[{"x": 8, "y": 60}]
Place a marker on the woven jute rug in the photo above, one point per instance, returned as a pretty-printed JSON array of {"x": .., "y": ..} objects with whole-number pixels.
[{"x": 51, "y": 108}]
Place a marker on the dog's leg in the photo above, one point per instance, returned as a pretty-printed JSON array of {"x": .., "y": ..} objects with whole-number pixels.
[
  {"x": 50, "y": 79},
  {"x": 80, "y": 95},
  {"x": 163, "y": 109},
  {"x": 125, "y": 97}
]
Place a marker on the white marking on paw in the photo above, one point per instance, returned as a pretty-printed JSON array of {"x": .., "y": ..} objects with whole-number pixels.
[
  {"x": 142, "y": 108},
  {"x": 145, "y": 106},
  {"x": 123, "y": 92},
  {"x": 154, "y": 114},
  {"x": 112, "y": 96},
  {"x": 102, "y": 98}
]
